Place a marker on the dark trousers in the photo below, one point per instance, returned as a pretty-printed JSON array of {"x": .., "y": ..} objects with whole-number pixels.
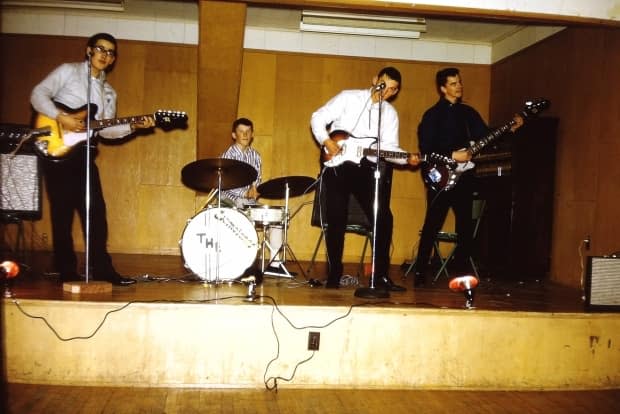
[
  {"x": 339, "y": 183},
  {"x": 66, "y": 189},
  {"x": 460, "y": 198}
]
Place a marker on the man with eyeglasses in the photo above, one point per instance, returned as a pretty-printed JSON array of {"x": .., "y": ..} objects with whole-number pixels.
[
  {"x": 62, "y": 96},
  {"x": 356, "y": 112}
]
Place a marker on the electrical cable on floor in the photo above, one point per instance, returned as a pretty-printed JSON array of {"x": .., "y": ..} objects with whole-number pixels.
[{"x": 275, "y": 307}]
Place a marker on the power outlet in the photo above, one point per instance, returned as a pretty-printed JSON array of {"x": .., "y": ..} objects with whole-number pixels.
[
  {"x": 586, "y": 242},
  {"x": 314, "y": 339}
]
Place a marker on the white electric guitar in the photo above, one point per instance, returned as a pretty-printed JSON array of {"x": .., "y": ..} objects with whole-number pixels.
[{"x": 354, "y": 149}]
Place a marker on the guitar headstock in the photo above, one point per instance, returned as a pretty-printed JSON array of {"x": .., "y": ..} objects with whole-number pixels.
[
  {"x": 168, "y": 119},
  {"x": 534, "y": 107}
]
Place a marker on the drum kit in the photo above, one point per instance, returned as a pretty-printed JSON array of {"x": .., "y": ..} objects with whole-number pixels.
[{"x": 219, "y": 244}]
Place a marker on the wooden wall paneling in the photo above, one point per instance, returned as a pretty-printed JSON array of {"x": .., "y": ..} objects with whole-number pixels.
[
  {"x": 295, "y": 151},
  {"x": 143, "y": 174},
  {"x": 120, "y": 161},
  {"x": 165, "y": 203},
  {"x": 607, "y": 227},
  {"x": 220, "y": 59},
  {"x": 257, "y": 92},
  {"x": 573, "y": 69},
  {"x": 256, "y": 102},
  {"x": 32, "y": 57}
]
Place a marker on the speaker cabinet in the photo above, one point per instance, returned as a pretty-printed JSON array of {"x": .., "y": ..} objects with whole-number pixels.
[
  {"x": 603, "y": 283},
  {"x": 515, "y": 234},
  {"x": 20, "y": 186}
]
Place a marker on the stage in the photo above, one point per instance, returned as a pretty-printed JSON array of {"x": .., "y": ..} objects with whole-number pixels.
[{"x": 172, "y": 330}]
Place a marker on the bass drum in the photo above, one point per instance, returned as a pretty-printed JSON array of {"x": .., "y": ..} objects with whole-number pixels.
[{"x": 219, "y": 244}]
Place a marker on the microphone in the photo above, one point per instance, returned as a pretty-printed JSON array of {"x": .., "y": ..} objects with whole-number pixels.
[{"x": 379, "y": 87}]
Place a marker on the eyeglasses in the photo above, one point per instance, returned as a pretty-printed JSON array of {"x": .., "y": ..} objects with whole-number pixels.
[{"x": 104, "y": 51}]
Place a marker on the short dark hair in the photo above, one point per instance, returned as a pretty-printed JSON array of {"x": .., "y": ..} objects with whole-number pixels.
[
  {"x": 391, "y": 73},
  {"x": 442, "y": 77},
  {"x": 92, "y": 41},
  {"x": 242, "y": 121}
]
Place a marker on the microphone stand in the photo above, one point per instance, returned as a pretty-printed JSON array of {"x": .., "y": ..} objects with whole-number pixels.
[
  {"x": 371, "y": 292},
  {"x": 88, "y": 162}
]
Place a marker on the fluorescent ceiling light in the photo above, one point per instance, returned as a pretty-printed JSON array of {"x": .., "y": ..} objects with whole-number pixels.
[
  {"x": 107, "y": 5},
  {"x": 362, "y": 24}
]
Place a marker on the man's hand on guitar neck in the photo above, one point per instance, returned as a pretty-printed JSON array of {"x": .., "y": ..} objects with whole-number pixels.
[
  {"x": 413, "y": 160},
  {"x": 143, "y": 123},
  {"x": 518, "y": 122}
]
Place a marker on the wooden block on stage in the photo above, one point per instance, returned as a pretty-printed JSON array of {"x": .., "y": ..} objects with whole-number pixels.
[{"x": 86, "y": 288}]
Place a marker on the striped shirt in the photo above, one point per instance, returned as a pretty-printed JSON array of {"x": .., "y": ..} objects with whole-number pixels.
[{"x": 249, "y": 156}]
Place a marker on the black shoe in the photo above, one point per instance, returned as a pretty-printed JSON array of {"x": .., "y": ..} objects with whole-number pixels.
[
  {"x": 332, "y": 283},
  {"x": 387, "y": 284},
  {"x": 119, "y": 280}
]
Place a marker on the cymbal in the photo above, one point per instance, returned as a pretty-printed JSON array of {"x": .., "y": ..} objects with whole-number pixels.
[
  {"x": 276, "y": 188},
  {"x": 202, "y": 175}
]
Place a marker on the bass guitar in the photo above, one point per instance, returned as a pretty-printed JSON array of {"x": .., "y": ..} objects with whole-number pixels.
[
  {"x": 59, "y": 143},
  {"x": 443, "y": 177},
  {"x": 353, "y": 149}
]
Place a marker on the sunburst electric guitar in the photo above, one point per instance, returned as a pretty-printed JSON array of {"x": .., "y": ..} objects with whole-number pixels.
[
  {"x": 59, "y": 143},
  {"x": 443, "y": 177},
  {"x": 353, "y": 149}
]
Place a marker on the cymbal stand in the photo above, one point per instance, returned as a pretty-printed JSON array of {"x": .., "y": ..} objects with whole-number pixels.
[
  {"x": 217, "y": 233},
  {"x": 285, "y": 246}
]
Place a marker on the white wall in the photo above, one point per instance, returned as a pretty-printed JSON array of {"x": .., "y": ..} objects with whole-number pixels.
[{"x": 177, "y": 22}]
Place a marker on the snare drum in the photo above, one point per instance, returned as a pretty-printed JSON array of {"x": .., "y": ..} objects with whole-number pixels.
[
  {"x": 219, "y": 244},
  {"x": 266, "y": 215}
]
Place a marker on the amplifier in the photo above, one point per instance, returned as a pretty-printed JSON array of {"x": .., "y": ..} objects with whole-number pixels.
[
  {"x": 20, "y": 185},
  {"x": 603, "y": 283}
]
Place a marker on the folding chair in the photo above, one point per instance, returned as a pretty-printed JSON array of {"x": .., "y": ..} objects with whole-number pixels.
[{"x": 477, "y": 212}]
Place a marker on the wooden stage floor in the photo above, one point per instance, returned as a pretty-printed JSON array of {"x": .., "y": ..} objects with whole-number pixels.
[{"x": 164, "y": 278}]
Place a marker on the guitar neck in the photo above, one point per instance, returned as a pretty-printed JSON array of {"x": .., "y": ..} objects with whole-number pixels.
[
  {"x": 478, "y": 146},
  {"x": 386, "y": 154},
  {"x": 104, "y": 123}
]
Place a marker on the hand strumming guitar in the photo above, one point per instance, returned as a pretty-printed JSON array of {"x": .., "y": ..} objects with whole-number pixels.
[{"x": 71, "y": 122}]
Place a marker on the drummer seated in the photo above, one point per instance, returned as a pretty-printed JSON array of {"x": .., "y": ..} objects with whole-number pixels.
[{"x": 240, "y": 197}]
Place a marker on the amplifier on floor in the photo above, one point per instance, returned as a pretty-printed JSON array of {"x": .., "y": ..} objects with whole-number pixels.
[
  {"x": 20, "y": 186},
  {"x": 603, "y": 283}
]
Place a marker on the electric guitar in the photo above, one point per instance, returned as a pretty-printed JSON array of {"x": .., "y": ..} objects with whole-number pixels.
[
  {"x": 59, "y": 143},
  {"x": 354, "y": 149},
  {"x": 443, "y": 177}
]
